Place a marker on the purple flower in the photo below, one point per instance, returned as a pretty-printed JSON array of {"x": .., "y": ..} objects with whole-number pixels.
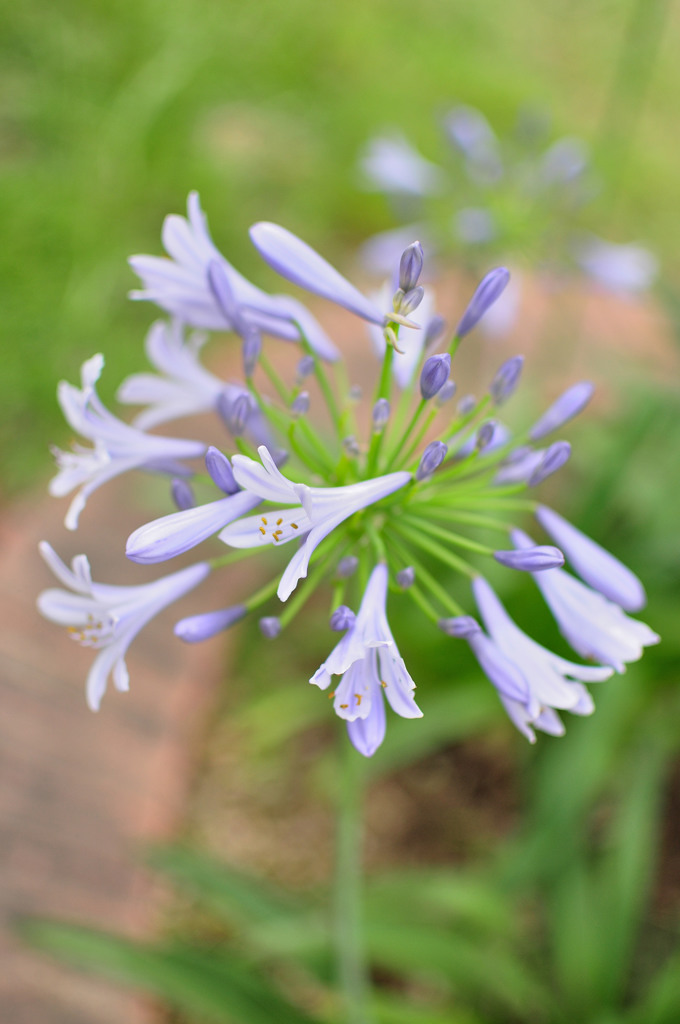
[
  {"x": 181, "y": 286},
  {"x": 489, "y": 289},
  {"x": 393, "y": 165},
  {"x": 196, "y": 628},
  {"x": 506, "y": 380},
  {"x": 317, "y": 511},
  {"x": 553, "y": 459},
  {"x": 537, "y": 558},
  {"x": 592, "y": 625},
  {"x": 117, "y": 447},
  {"x": 108, "y": 618},
  {"x": 596, "y": 567},
  {"x": 434, "y": 375},
  {"x": 618, "y": 268},
  {"x": 370, "y": 665}
]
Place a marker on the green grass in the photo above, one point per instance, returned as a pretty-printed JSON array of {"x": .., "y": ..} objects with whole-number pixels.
[{"x": 111, "y": 111}]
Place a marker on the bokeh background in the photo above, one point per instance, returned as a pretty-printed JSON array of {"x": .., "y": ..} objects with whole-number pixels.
[{"x": 543, "y": 884}]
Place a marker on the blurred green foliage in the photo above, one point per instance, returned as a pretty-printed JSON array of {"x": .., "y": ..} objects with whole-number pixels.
[{"x": 112, "y": 111}]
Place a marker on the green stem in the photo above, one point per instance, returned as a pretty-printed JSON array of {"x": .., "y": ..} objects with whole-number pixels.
[
  {"x": 417, "y": 413},
  {"x": 415, "y": 536},
  {"x": 418, "y": 523},
  {"x": 383, "y": 390},
  {"x": 426, "y": 577},
  {"x": 351, "y": 961},
  {"x": 279, "y": 386}
]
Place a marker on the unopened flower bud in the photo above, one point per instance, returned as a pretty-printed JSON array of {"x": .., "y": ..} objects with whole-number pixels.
[
  {"x": 410, "y": 266},
  {"x": 431, "y": 460},
  {"x": 182, "y": 494},
  {"x": 506, "y": 380},
  {"x": 485, "y": 434},
  {"x": 555, "y": 457},
  {"x": 347, "y": 566},
  {"x": 270, "y": 626},
  {"x": 305, "y": 367},
  {"x": 406, "y": 577},
  {"x": 436, "y": 326},
  {"x": 461, "y": 626},
  {"x": 196, "y": 628},
  {"x": 238, "y": 414},
  {"x": 380, "y": 414},
  {"x": 409, "y": 300},
  {"x": 250, "y": 350},
  {"x": 342, "y": 618},
  {"x": 350, "y": 445},
  {"x": 220, "y": 470},
  {"x": 488, "y": 291},
  {"x": 434, "y": 374},
  {"x": 445, "y": 394},
  {"x": 466, "y": 405},
  {"x": 533, "y": 559},
  {"x": 300, "y": 404},
  {"x": 569, "y": 404}
]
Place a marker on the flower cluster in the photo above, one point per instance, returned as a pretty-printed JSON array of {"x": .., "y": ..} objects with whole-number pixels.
[
  {"x": 520, "y": 194},
  {"x": 392, "y": 511}
]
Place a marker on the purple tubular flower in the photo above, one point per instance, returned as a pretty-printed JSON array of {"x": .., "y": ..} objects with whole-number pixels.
[
  {"x": 485, "y": 434},
  {"x": 305, "y": 367},
  {"x": 569, "y": 404},
  {"x": 342, "y": 618},
  {"x": 237, "y": 415},
  {"x": 380, "y": 414},
  {"x": 554, "y": 458},
  {"x": 490, "y": 288},
  {"x": 531, "y": 559},
  {"x": 596, "y": 567},
  {"x": 506, "y": 380},
  {"x": 431, "y": 460},
  {"x": 434, "y": 375},
  {"x": 406, "y": 577},
  {"x": 551, "y": 681},
  {"x": 108, "y": 618},
  {"x": 299, "y": 263},
  {"x": 270, "y": 626},
  {"x": 197, "y": 628},
  {"x": 221, "y": 473},
  {"x": 502, "y": 672},
  {"x": 592, "y": 625},
  {"x": 519, "y": 466},
  {"x": 466, "y": 405},
  {"x": 410, "y": 266},
  {"x": 462, "y": 626},
  {"x": 182, "y": 494},
  {"x": 250, "y": 351},
  {"x": 406, "y": 302},
  {"x": 180, "y": 531}
]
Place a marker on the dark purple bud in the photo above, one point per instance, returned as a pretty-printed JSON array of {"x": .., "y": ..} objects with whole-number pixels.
[
  {"x": 488, "y": 291},
  {"x": 202, "y": 627},
  {"x": 434, "y": 374},
  {"x": 350, "y": 445},
  {"x": 300, "y": 404},
  {"x": 485, "y": 434},
  {"x": 221, "y": 473},
  {"x": 380, "y": 414},
  {"x": 533, "y": 559},
  {"x": 445, "y": 394},
  {"x": 569, "y": 404},
  {"x": 506, "y": 380},
  {"x": 182, "y": 494},
  {"x": 431, "y": 460},
  {"x": 410, "y": 266},
  {"x": 342, "y": 618},
  {"x": 270, "y": 626},
  {"x": 467, "y": 404},
  {"x": 461, "y": 626},
  {"x": 250, "y": 350},
  {"x": 555, "y": 457},
  {"x": 305, "y": 367},
  {"x": 436, "y": 326},
  {"x": 347, "y": 566},
  {"x": 237, "y": 415},
  {"x": 406, "y": 577}
]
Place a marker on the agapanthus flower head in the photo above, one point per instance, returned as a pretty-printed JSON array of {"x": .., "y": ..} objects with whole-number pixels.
[{"x": 370, "y": 497}]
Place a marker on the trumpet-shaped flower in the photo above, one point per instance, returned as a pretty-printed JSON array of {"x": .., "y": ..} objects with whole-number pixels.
[
  {"x": 107, "y": 618},
  {"x": 370, "y": 665},
  {"x": 180, "y": 285},
  {"x": 592, "y": 625},
  {"x": 316, "y": 512},
  {"x": 117, "y": 446}
]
